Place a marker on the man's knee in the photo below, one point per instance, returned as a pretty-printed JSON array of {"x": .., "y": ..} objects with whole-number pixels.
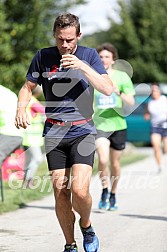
[{"x": 80, "y": 194}]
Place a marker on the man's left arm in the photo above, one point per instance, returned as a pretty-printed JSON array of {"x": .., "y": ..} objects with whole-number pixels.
[
  {"x": 127, "y": 92},
  {"x": 127, "y": 98}
]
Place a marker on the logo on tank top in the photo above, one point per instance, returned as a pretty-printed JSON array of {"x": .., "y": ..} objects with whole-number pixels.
[{"x": 52, "y": 73}]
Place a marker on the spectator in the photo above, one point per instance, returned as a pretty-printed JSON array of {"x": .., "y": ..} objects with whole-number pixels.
[
  {"x": 32, "y": 140},
  {"x": 10, "y": 137}
]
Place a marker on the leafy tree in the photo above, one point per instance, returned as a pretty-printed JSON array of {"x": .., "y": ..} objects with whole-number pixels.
[
  {"x": 140, "y": 38},
  {"x": 25, "y": 28}
]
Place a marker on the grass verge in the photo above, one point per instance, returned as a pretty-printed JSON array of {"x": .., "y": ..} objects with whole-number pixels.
[{"x": 16, "y": 195}]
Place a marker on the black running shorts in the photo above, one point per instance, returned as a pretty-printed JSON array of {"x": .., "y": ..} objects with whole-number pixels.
[
  {"x": 117, "y": 138},
  {"x": 63, "y": 153}
]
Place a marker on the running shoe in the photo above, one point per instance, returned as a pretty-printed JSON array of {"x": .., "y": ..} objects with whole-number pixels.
[
  {"x": 104, "y": 201},
  {"x": 70, "y": 248},
  {"x": 90, "y": 240},
  {"x": 113, "y": 204}
]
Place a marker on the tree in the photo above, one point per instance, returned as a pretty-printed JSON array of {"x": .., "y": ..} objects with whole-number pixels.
[
  {"x": 140, "y": 38},
  {"x": 25, "y": 28}
]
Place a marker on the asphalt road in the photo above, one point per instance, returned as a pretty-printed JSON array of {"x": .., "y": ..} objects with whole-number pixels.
[{"x": 139, "y": 225}]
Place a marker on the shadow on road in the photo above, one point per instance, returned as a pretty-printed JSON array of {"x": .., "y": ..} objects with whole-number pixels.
[
  {"x": 39, "y": 207},
  {"x": 98, "y": 211},
  {"x": 148, "y": 217}
]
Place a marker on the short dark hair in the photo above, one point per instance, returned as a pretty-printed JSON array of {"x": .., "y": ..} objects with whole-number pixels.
[
  {"x": 66, "y": 20},
  {"x": 155, "y": 84},
  {"x": 109, "y": 47}
]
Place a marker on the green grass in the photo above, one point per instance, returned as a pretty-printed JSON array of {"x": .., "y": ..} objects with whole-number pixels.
[
  {"x": 16, "y": 196},
  {"x": 129, "y": 159}
]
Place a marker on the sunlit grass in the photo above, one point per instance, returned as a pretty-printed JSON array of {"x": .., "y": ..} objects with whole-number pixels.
[{"x": 16, "y": 195}]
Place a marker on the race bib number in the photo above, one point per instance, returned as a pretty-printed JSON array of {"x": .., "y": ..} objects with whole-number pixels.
[{"x": 105, "y": 102}]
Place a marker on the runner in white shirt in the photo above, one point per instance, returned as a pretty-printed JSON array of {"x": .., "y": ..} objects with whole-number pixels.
[{"x": 157, "y": 113}]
